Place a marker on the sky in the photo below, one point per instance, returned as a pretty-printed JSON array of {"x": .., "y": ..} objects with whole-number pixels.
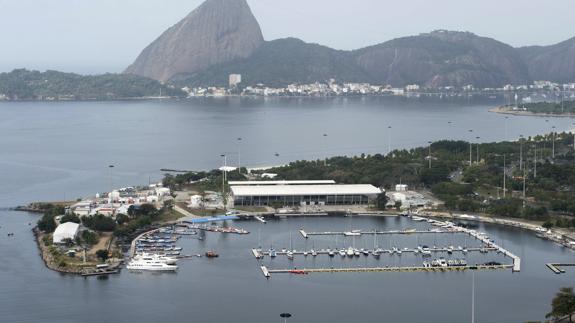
[{"x": 98, "y": 36}]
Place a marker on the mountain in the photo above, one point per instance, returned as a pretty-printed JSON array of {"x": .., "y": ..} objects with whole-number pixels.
[
  {"x": 218, "y": 31},
  {"x": 281, "y": 62},
  {"x": 222, "y": 37},
  {"x": 553, "y": 63},
  {"x": 443, "y": 58},
  {"x": 436, "y": 59}
]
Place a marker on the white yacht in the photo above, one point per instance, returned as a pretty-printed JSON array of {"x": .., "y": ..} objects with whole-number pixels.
[
  {"x": 350, "y": 252},
  {"x": 155, "y": 257},
  {"x": 150, "y": 265}
]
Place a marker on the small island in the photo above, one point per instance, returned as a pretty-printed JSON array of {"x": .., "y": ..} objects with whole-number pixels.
[{"x": 543, "y": 109}]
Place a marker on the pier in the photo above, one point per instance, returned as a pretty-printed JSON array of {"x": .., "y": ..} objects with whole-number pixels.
[
  {"x": 557, "y": 268},
  {"x": 258, "y": 254},
  {"x": 360, "y": 232},
  {"x": 267, "y": 272}
]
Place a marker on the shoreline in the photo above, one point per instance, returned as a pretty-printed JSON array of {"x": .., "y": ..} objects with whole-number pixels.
[
  {"x": 89, "y": 268},
  {"x": 504, "y": 110},
  {"x": 560, "y": 238}
]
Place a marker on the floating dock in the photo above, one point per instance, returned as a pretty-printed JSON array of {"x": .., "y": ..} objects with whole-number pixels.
[
  {"x": 101, "y": 273},
  {"x": 360, "y": 232},
  {"x": 258, "y": 254},
  {"x": 267, "y": 271},
  {"x": 259, "y": 218},
  {"x": 557, "y": 268}
]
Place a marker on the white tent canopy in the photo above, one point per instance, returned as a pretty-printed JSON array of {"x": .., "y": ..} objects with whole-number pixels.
[{"x": 68, "y": 230}]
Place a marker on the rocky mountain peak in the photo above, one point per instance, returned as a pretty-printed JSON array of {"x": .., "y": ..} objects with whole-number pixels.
[{"x": 216, "y": 32}]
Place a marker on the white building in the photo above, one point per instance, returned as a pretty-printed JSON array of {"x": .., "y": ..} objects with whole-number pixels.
[
  {"x": 162, "y": 191},
  {"x": 401, "y": 187},
  {"x": 64, "y": 231},
  {"x": 296, "y": 193},
  {"x": 234, "y": 80}
]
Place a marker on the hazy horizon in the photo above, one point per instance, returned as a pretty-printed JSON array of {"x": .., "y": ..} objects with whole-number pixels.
[{"x": 106, "y": 35}]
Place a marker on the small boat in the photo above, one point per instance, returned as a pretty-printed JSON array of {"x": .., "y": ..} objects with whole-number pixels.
[
  {"x": 350, "y": 252},
  {"x": 298, "y": 272},
  {"x": 273, "y": 253},
  {"x": 365, "y": 252},
  {"x": 305, "y": 253},
  {"x": 313, "y": 253},
  {"x": 375, "y": 254},
  {"x": 290, "y": 255},
  {"x": 357, "y": 253},
  {"x": 211, "y": 254},
  {"x": 450, "y": 250},
  {"x": 330, "y": 253},
  {"x": 341, "y": 252}
]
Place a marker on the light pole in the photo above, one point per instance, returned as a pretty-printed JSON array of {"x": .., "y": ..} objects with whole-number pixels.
[
  {"x": 477, "y": 149},
  {"x": 524, "y": 183},
  {"x": 504, "y": 175},
  {"x": 470, "y": 149},
  {"x": 111, "y": 167},
  {"x": 535, "y": 162},
  {"x": 224, "y": 157},
  {"x": 520, "y": 152},
  {"x": 506, "y": 118},
  {"x": 285, "y": 316},
  {"x": 473, "y": 297},
  {"x": 240, "y": 155},
  {"x": 389, "y": 140},
  {"x": 325, "y": 146},
  {"x": 429, "y": 156},
  {"x": 553, "y": 154}
]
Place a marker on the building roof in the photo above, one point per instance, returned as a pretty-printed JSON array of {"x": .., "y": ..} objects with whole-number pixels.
[
  {"x": 289, "y": 190},
  {"x": 66, "y": 230},
  {"x": 260, "y": 183}
]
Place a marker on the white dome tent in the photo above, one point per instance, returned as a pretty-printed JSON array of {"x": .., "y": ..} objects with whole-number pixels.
[{"x": 68, "y": 230}]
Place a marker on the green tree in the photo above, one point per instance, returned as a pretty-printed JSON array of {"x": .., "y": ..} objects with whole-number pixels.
[
  {"x": 381, "y": 201},
  {"x": 47, "y": 223},
  {"x": 99, "y": 222},
  {"x": 563, "y": 304},
  {"x": 70, "y": 217},
  {"x": 90, "y": 238},
  {"x": 102, "y": 254}
]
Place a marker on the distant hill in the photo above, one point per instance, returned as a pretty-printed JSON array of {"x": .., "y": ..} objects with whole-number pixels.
[
  {"x": 553, "y": 63},
  {"x": 443, "y": 58},
  {"x": 32, "y": 85},
  {"x": 280, "y": 62},
  {"x": 222, "y": 37},
  {"x": 218, "y": 31}
]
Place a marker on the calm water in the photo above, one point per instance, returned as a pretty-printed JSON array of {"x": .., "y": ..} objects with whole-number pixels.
[{"x": 61, "y": 150}]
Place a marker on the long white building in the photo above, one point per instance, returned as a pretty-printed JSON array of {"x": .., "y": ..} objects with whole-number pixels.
[{"x": 300, "y": 193}]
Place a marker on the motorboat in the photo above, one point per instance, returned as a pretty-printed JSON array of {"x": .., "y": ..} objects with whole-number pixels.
[
  {"x": 154, "y": 257},
  {"x": 150, "y": 265},
  {"x": 350, "y": 252}
]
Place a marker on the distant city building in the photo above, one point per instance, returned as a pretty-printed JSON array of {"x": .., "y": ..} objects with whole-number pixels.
[
  {"x": 412, "y": 88},
  {"x": 234, "y": 80}
]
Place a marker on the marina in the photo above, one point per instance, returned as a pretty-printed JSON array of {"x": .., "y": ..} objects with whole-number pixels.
[
  {"x": 190, "y": 290},
  {"x": 423, "y": 251}
]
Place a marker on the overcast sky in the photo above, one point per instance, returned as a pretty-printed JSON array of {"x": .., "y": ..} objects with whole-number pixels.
[{"x": 96, "y": 36}]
